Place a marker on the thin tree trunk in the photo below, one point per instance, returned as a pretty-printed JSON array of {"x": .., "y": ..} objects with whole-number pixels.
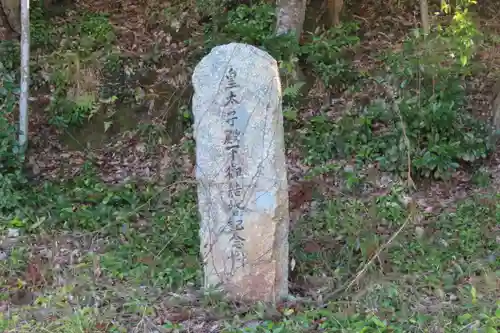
[
  {"x": 25, "y": 67},
  {"x": 290, "y": 16},
  {"x": 424, "y": 16},
  {"x": 495, "y": 109}
]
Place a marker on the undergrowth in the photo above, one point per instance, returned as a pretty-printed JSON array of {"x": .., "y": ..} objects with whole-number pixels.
[
  {"x": 422, "y": 114},
  {"x": 424, "y": 100}
]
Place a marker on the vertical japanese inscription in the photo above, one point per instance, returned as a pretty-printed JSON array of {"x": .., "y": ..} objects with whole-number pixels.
[
  {"x": 233, "y": 174},
  {"x": 241, "y": 173}
]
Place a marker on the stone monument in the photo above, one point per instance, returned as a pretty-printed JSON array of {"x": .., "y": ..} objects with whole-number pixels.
[{"x": 241, "y": 173}]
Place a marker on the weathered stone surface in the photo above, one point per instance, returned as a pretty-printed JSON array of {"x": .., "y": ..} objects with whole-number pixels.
[{"x": 241, "y": 172}]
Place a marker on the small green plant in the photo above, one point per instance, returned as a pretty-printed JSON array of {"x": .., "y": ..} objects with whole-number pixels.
[
  {"x": 113, "y": 63},
  {"x": 253, "y": 24},
  {"x": 291, "y": 95},
  {"x": 90, "y": 33},
  {"x": 43, "y": 34},
  {"x": 72, "y": 64},
  {"x": 10, "y": 53},
  {"x": 481, "y": 177},
  {"x": 70, "y": 113},
  {"x": 97, "y": 27},
  {"x": 432, "y": 107},
  {"x": 212, "y": 8},
  {"x": 329, "y": 57}
]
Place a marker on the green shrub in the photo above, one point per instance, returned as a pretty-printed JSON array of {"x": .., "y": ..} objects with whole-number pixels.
[
  {"x": 327, "y": 55},
  {"x": 429, "y": 101},
  {"x": 253, "y": 25}
]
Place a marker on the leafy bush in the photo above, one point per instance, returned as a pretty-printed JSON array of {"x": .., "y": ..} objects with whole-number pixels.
[
  {"x": 462, "y": 31},
  {"x": 253, "y": 25},
  {"x": 425, "y": 94},
  {"x": 95, "y": 31},
  {"x": 211, "y": 8},
  {"x": 327, "y": 55},
  {"x": 42, "y": 32}
]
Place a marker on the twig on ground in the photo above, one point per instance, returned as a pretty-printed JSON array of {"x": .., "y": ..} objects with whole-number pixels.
[
  {"x": 348, "y": 285},
  {"x": 379, "y": 251}
]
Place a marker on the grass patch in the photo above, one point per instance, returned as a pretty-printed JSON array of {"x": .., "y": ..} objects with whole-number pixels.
[{"x": 440, "y": 269}]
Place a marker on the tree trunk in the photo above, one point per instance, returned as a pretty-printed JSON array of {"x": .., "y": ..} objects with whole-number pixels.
[
  {"x": 290, "y": 16},
  {"x": 424, "y": 15},
  {"x": 334, "y": 10},
  {"x": 495, "y": 108},
  {"x": 6, "y": 32},
  {"x": 12, "y": 10}
]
